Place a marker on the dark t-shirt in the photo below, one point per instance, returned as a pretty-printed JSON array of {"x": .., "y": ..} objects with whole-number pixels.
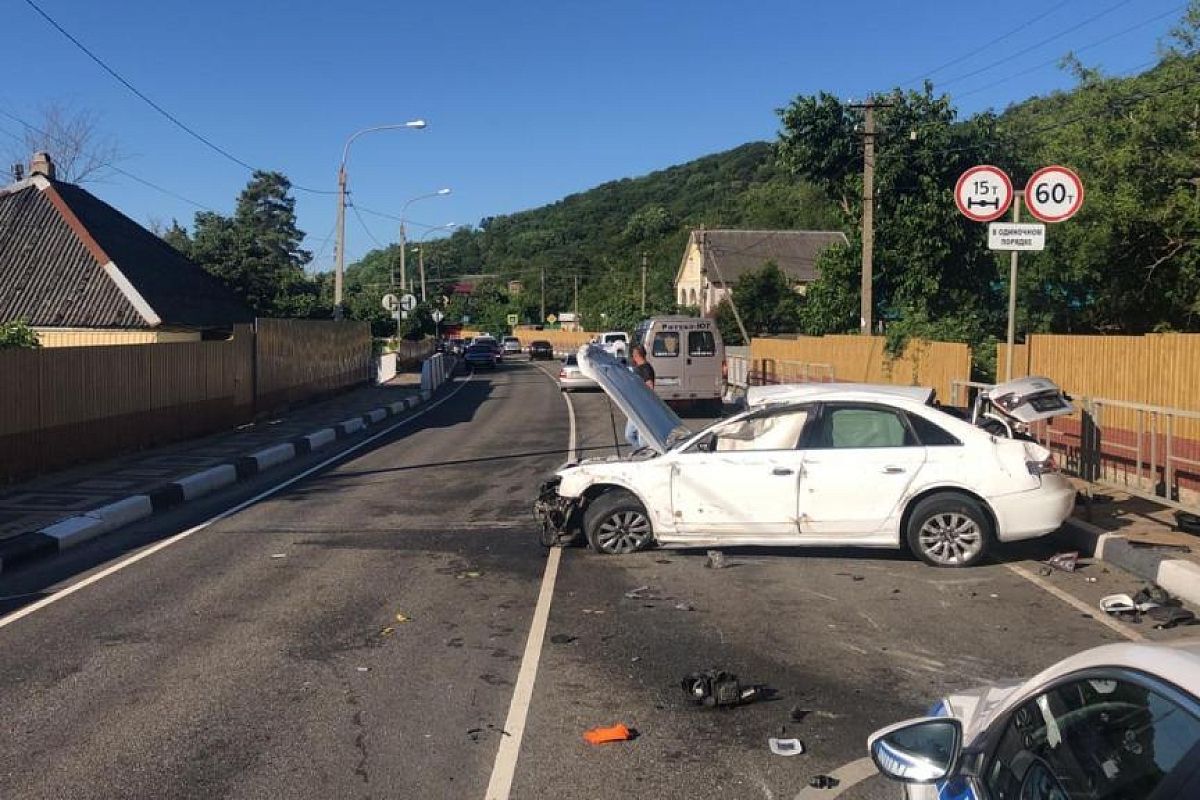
[{"x": 645, "y": 372}]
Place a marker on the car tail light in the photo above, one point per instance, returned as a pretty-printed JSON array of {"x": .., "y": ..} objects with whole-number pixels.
[
  {"x": 562, "y": 373},
  {"x": 1044, "y": 467}
]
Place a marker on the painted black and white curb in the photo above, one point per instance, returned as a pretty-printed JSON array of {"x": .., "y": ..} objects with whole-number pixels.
[
  {"x": 76, "y": 530},
  {"x": 1179, "y": 577}
]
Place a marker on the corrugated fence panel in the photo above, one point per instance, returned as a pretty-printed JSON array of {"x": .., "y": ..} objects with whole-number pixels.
[
  {"x": 300, "y": 359},
  {"x": 864, "y": 359}
]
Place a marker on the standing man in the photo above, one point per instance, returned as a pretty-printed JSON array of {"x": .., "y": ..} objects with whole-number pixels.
[{"x": 646, "y": 372}]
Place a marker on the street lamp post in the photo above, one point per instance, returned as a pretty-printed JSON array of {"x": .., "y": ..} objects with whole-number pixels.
[
  {"x": 421, "y": 251},
  {"x": 341, "y": 216},
  {"x": 403, "y": 242}
]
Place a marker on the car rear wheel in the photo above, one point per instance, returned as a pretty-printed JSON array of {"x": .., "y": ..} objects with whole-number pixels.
[
  {"x": 617, "y": 523},
  {"x": 949, "y": 530}
]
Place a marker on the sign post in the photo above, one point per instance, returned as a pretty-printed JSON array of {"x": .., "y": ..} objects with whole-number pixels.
[
  {"x": 1012, "y": 298},
  {"x": 437, "y": 317}
]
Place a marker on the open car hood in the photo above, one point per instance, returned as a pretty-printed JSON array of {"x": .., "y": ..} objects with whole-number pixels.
[
  {"x": 1030, "y": 399},
  {"x": 659, "y": 426}
]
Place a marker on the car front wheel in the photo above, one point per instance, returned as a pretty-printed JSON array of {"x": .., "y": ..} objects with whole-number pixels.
[
  {"x": 949, "y": 530},
  {"x": 617, "y": 523}
]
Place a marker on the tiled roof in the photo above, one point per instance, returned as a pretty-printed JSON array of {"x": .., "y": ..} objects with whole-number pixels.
[
  {"x": 68, "y": 259},
  {"x": 731, "y": 253}
]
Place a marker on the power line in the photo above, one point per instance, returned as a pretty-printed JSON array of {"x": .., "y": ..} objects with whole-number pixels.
[
  {"x": 1086, "y": 47},
  {"x": 106, "y": 164},
  {"x": 1035, "y": 45},
  {"x": 363, "y": 224},
  {"x": 997, "y": 40},
  {"x": 141, "y": 96}
]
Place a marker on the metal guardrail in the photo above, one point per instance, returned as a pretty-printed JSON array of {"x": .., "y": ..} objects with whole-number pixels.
[{"x": 1146, "y": 460}]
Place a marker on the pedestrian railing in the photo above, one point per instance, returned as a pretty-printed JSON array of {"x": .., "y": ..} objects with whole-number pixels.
[{"x": 1141, "y": 449}]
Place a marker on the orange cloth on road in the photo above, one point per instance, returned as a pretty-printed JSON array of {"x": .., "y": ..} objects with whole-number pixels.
[{"x": 613, "y": 733}]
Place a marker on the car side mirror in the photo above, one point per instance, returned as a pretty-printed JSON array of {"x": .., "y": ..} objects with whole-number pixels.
[{"x": 920, "y": 750}]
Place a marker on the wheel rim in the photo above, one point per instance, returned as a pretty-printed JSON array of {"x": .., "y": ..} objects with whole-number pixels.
[
  {"x": 623, "y": 532},
  {"x": 951, "y": 538}
]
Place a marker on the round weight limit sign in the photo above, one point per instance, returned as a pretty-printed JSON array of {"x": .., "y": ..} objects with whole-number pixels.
[
  {"x": 1053, "y": 194},
  {"x": 983, "y": 193}
]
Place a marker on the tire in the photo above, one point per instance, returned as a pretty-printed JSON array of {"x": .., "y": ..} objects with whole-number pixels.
[
  {"x": 616, "y": 523},
  {"x": 949, "y": 530}
]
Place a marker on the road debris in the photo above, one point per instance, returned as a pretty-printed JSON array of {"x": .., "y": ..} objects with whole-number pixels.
[
  {"x": 715, "y": 560},
  {"x": 278, "y": 555},
  {"x": 720, "y": 688},
  {"x": 685, "y": 607},
  {"x": 1186, "y": 522},
  {"x": 468, "y": 574},
  {"x": 785, "y": 747},
  {"x": 611, "y": 733},
  {"x": 1170, "y": 617},
  {"x": 823, "y": 782},
  {"x": 561, "y": 638},
  {"x": 363, "y": 669},
  {"x": 388, "y": 631},
  {"x": 401, "y": 618},
  {"x": 1064, "y": 562}
]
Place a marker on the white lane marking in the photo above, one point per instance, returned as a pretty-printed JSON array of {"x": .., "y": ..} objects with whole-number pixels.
[
  {"x": 847, "y": 775},
  {"x": 1077, "y": 604},
  {"x": 165, "y": 543},
  {"x": 505, "y": 767}
]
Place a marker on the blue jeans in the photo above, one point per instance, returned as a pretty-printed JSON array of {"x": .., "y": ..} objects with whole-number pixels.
[{"x": 632, "y": 436}]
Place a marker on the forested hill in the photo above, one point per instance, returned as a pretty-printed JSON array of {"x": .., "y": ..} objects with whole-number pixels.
[{"x": 598, "y": 235}]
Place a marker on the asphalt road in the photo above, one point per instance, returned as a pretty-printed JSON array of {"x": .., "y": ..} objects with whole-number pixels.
[{"x": 360, "y": 633}]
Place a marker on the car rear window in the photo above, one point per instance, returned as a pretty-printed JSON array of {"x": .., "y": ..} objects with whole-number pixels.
[
  {"x": 701, "y": 343},
  {"x": 930, "y": 434},
  {"x": 852, "y": 427},
  {"x": 571, "y": 361},
  {"x": 666, "y": 344}
]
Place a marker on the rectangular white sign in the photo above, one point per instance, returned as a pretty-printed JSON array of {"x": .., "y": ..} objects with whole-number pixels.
[{"x": 1016, "y": 236}]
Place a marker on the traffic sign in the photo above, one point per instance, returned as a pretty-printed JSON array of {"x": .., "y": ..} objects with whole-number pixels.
[
  {"x": 408, "y": 302},
  {"x": 390, "y": 302},
  {"x": 551, "y": 319},
  {"x": 983, "y": 193},
  {"x": 513, "y": 319},
  {"x": 1053, "y": 194},
  {"x": 436, "y": 315},
  {"x": 1016, "y": 236}
]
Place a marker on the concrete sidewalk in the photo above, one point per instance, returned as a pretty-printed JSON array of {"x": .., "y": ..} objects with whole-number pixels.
[
  {"x": 65, "y": 508},
  {"x": 1140, "y": 537}
]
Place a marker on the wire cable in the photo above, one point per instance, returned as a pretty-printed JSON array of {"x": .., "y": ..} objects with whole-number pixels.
[{"x": 167, "y": 114}]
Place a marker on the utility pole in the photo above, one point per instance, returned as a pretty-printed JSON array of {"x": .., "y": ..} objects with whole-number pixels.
[
  {"x": 340, "y": 260},
  {"x": 421, "y": 262},
  {"x": 577, "y": 298},
  {"x": 403, "y": 247},
  {"x": 643, "y": 282},
  {"x": 543, "y": 273},
  {"x": 868, "y": 221}
]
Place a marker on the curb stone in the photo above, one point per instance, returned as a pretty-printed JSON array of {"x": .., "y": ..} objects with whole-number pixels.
[
  {"x": 1179, "y": 577},
  {"x": 75, "y": 530}
]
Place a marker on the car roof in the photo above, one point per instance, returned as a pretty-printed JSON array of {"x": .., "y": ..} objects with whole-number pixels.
[
  {"x": 795, "y": 392},
  {"x": 1176, "y": 662}
]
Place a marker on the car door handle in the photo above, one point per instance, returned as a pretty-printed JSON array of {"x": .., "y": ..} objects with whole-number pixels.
[
  {"x": 782, "y": 471},
  {"x": 893, "y": 470}
]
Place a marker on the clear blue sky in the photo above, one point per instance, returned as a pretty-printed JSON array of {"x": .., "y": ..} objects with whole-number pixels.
[{"x": 526, "y": 101}]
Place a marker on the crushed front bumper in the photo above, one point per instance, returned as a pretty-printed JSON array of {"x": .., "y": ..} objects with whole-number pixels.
[{"x": 560, "y": 518}]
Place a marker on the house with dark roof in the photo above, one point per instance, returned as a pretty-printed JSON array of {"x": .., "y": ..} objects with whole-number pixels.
[
  {"x": 714, "y": 260},
  {"x": 81, "y": 272}
]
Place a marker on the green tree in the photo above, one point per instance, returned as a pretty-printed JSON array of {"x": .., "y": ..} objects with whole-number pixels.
[
  {"x": 767, "y": 302},
  {"x": 17, "y": 334}
]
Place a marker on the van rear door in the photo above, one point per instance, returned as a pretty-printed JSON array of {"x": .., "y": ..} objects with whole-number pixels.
[{"x": 702, "y": 363}]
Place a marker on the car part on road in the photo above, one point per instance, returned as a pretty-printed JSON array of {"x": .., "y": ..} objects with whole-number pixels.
[
  {"x": 1065, "y": 562},
  {"x": 557, "y": 515},
  {"x": 715, "y": 560},
  {"x": 719, "y": 688},
  {"x": 823, "y": 782},
  {"x": 1170, "y": 617},
  {"x": 785, "y": 747},
  {"x": 611, "y": 733},
  {"x": 949, "y": 530},
  {"x": 617, "y": 523}
]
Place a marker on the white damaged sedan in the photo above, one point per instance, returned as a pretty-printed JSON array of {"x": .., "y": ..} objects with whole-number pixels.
[{"x": 818, "y": 464}]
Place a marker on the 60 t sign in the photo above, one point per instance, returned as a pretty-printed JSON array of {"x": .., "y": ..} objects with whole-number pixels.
[{"x": 1053, "y": 194}]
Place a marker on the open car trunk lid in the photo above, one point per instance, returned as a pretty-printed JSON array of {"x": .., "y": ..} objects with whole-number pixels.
[
  {"x": 1031, "y": 399},
  {"x": 658, "y": 425}
]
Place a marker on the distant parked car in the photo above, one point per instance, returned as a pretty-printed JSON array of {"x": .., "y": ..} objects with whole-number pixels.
[
  {"x": 457, "y": 346},
  {"x": 511, "y": 345},
  {"x": 541, "y": 350},
  {"x": 1117, "y": 721},
  {"x": 615, "y": 342},
  {"x": 570, "y": 378},
  {"x": 481, "y": 356}
]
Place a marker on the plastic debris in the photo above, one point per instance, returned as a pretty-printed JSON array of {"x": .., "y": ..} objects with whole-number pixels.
[
  {"x": 401, "y": 618},
  {"x": 716, "y": 559},
  {"x": 785, "y": 747},
  {"x": 468, "y": 574},
  {"x": 388, "y": 631},
  {"x": 278, "y": 555},
  {"x": 1065, "y": 562},
  {"x": 363, "y": 669},
  {"x": 823, "y": 782},
  {"x": 612, "y": 733},
  {"x": 720, "y": 688}
]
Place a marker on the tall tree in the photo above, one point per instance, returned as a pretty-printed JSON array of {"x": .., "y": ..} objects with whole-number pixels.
[{"x": 73, "y": 137}]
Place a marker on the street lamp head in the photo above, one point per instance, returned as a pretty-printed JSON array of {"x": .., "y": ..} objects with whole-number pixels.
[
  {"x": 443, "y": 191},
  {"x": 416, "y": 123}
]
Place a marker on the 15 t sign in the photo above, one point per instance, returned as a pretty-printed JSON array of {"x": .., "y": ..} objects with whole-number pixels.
[
  {"x": 1053, "y": 194},
  {"x": 983, "y": 193}
]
